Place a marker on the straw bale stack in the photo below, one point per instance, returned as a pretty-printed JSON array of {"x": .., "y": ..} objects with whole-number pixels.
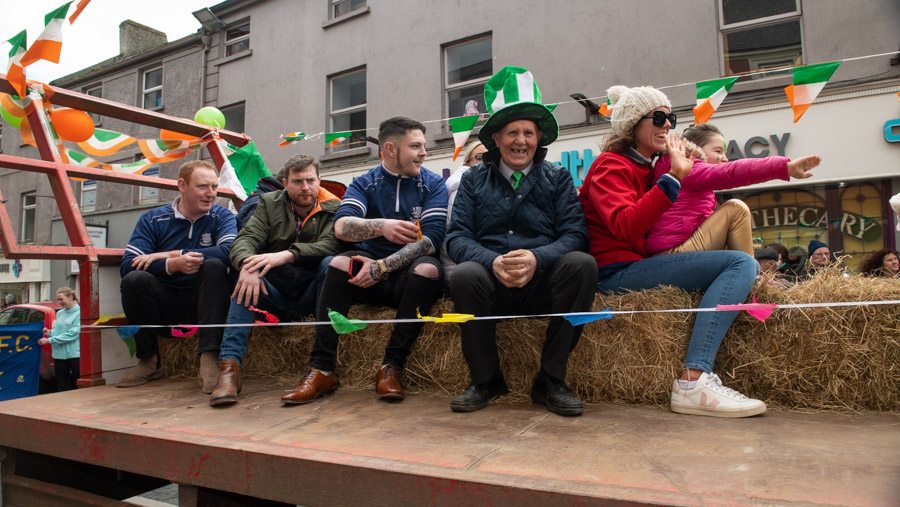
[{"x": 830, "y": 358}]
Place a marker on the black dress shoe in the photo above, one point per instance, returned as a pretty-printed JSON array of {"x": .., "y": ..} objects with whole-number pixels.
[
  {"x": 477, "y": 396},
  {"x": 556, "y": 396}
]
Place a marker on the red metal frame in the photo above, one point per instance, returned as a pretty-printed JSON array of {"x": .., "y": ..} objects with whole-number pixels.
[{"x": 82, "y": 249}]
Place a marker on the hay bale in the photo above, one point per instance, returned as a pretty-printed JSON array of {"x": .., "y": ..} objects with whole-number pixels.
[{"x": 844, "y": 358}]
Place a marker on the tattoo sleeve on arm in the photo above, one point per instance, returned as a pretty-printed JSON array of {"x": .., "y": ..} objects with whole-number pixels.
[
  {"x": 360, "y": 229},
  {"x": 406, "y": 255}
]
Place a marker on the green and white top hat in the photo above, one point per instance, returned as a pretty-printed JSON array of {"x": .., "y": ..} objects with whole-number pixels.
[{"x": 511, "y": 95}]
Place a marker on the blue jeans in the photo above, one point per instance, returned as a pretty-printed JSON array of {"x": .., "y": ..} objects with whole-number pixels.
[
  {"x": 234, "y": 342},
  {"x": 723, "y": 276}
]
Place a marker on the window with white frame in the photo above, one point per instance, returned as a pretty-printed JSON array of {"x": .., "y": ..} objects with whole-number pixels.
[
  {"x": 348, "y": 108},
  {"x": 760, "y": 35},
  {"x": 234, "y": 117},
  {"x": 152, "y": 88},
  {"x": 88, "y": 195},
  {"x": 467, "y": 66},
  {"x": 237, "y": 39},
  {"x": 338, "y": 8},
  {"x": 149, "y": 194},
  {"x": 95, "y": 91},
  {"x": 29, "y": 209}
]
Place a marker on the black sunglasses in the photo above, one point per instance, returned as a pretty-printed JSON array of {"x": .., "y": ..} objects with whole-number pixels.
[{"x": 659, "y": 118}]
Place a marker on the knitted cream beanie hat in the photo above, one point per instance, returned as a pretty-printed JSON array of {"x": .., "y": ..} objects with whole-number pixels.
[{"x": 630, "y": 104}]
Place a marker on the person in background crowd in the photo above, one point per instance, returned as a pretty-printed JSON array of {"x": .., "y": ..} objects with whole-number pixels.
[
  {"x": 884, "y": 263},
  {"x": 518, "y": 234},
  {"x": 9, "y": 300},
  {"x": 63, "y": 340},
  {"x": 174, "y": 271},
  {"x": 620, "y": 208},
  {"x": 694, "y": 223},
  {"x": 787, "y": 265},
  {"x": 278, "y": 254},
  {"x": 263, "y": 186},
  {"x": 819, "y": 257},
  {"x": 396, "y": 215},
  {"x": 769, "y": 260},
  {"x": 471, "y": 157}
]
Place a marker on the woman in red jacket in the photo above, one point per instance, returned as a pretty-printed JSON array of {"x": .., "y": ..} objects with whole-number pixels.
[{"x": 621, "y": 203}]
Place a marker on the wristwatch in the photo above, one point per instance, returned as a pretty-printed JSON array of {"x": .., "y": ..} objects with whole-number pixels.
[{"x": 382, "y": 270}]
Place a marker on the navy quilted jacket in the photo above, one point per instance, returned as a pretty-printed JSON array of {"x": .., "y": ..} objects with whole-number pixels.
[{"x": 490, "y": 218}]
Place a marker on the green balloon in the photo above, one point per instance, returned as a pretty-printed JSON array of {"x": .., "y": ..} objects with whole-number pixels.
[
  {"x": 210, "y": 116},
  {"x": 15, "y": 121}
]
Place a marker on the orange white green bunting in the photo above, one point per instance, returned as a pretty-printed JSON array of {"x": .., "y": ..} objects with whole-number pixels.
[
  {"x": 710, "y": 95},
  {"x": 293, "y": 137},
  {"x": 461, "y": 128},
  {"x": 80, "y": 159},
  {"x": 15, "y": 72},
  {"x": 137, "y": 167},
  {"x": 105, "y": 142},
  {"x": 808, "y": 82},
  {"x": 606, "y": 108},
  {"x": 78, "y": 8},
  {"x": 165, "y": 150},
  {"x": 49, "y": 43},
  {"x": 334, "y": 138}
]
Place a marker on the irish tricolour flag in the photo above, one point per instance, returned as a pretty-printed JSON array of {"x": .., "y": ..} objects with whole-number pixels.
[
  {"x": 710, "y": 95},
  {"x": 293, "y": 137},
  {"x": 15, "y": 73},
  {"x": 461, "y": 128},
  {"x": 606, "y": 108},
  {"x": 808, "y": 82},
  {"x": 49, "y": 43},
  {"x": 334, "y": 138},
  {"x": 105, "y": 142}
]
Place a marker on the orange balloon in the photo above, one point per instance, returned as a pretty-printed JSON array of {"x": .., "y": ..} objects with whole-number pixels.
[
  {"x": 7, "y": 102},
  {"x": 72, "y": 124},
  {"x": 171, "y": 134}
]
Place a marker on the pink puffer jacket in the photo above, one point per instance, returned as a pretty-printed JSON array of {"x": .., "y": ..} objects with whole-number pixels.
[{"x": 696, "y": 200}]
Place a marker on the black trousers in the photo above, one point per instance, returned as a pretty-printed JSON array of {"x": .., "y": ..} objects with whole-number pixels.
[
  {"x": 403, "y": 290},
  {"x": 568, "y": 286},
  {"x": 67, "y": 373},
  {"x": 147, "y": 301}
]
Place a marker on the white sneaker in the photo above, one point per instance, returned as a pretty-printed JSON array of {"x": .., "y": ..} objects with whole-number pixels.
[{"x": 710, "y": 397}]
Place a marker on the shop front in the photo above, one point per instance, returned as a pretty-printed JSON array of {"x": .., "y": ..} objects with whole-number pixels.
[{"x": 26, "y": 279}]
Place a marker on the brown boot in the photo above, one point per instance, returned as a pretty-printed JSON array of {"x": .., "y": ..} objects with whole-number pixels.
[
  {"x": 228, "y": 385},
  {"x": 313, "y": 385},
  {"x": 141, "y": 373},
  {"x": 209, "y": 371},
  {"x": 387, "y": 383}
]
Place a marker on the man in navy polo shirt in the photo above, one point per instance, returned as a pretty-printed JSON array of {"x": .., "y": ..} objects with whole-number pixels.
[{"x": 174, "y": 272}]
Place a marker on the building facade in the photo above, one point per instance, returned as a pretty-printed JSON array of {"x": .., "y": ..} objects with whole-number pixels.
[{"x": 332, "y": 65}]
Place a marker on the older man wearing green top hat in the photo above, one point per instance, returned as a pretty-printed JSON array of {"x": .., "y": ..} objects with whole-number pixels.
[{"x": 519, "y": 237}]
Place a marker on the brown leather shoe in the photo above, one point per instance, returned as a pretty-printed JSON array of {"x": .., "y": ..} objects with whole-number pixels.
[
  {"x": 141, "y": 373},
  {"x": 313, "y": 384},
  {"x": 209, "y": 371},
  {"x": 387, "y": 383},
  {"x": 228, "y": 385}
]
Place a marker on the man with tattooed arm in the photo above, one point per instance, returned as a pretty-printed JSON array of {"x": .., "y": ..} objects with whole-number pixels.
[{"x": 395, "y": 214}]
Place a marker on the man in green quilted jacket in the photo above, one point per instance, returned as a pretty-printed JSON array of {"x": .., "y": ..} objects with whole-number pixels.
[{"x": 278, "y": 254}]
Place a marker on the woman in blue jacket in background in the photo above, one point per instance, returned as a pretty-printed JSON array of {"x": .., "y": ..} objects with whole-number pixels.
[{"x": 64, "y": 339}]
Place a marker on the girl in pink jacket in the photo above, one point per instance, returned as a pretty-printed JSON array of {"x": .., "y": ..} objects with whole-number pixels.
[{"x": 693, "y": 223}]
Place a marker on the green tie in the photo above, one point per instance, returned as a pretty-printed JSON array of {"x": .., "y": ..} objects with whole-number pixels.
[{"x": 517, "y": 179}]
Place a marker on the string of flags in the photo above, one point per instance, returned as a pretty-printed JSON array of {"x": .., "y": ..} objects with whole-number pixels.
[{"x": 344, "y": 325}]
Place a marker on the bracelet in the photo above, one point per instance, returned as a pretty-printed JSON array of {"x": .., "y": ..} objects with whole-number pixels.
[
  {"x": 383, "y": 268},
  {"x": 670, "y": 173}
]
